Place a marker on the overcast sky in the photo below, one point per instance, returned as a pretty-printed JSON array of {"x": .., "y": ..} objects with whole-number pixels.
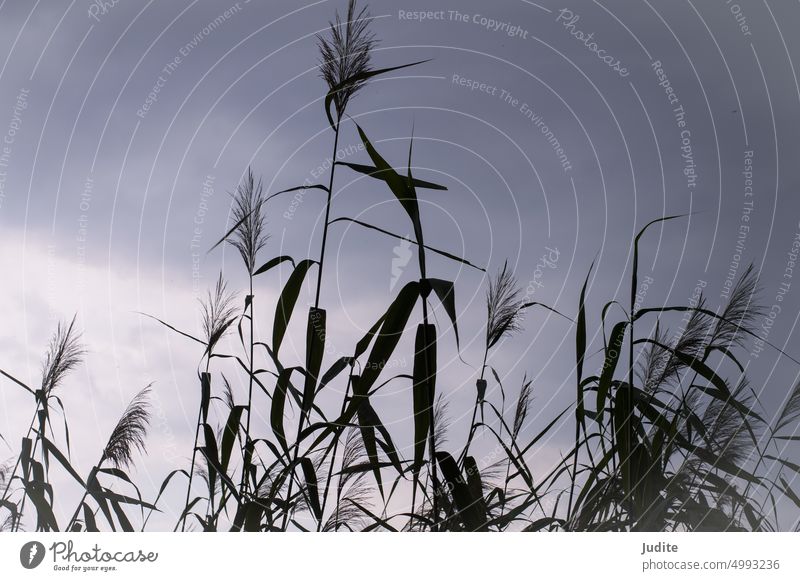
[{"x": 559, "y": 130}]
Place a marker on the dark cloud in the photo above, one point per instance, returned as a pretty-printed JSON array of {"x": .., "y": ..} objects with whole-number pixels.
[{"x": 141, "y": 118}]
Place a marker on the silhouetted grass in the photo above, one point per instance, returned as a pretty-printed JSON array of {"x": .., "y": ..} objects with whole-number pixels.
[{"x": 667, "y": 432}]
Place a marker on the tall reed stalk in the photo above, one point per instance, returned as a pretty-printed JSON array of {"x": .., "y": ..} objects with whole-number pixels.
[
  {"x": 344, "y": 59},
  {"x": 662, "y": 439},
  {"x": 126, "y": 437},
  {"x": 63, "y": 355},
  {"x": 218, "y": 314},
  {"x": 249, "y": 237}
]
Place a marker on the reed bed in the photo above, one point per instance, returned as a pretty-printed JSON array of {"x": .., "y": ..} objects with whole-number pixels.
[{"x": 668, "y": 434}]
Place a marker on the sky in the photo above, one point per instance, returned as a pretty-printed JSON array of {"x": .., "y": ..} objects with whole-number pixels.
[{"x": 559, "y": 129}]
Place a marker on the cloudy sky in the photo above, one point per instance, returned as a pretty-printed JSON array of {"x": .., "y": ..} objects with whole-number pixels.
[{"x": 559, "y": 129}]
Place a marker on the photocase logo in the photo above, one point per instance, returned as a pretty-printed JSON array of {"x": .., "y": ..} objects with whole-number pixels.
[
  {"x": 31, "y": 554},
  {"x": 402, "y": 255}
]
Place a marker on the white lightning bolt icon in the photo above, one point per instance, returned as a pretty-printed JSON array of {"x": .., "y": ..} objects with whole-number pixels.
[{"x": 34, "y": 550}]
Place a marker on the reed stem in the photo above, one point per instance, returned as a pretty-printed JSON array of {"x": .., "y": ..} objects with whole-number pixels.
[{"x": 327, "y": 213}]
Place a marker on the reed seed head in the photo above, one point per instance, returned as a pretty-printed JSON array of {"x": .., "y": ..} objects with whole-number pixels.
[
  {"x": 345, "y": 53},
  {"x": 248, "y": 211},
  {"x": 218, "y": 312},
  {"x": 130, "y": 431},
  {"x": 503, "y": 305},
  {"x": 63, "y": 354}
]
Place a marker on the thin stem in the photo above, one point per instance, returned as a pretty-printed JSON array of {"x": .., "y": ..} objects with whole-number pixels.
[
  {"x": 19, "y": 458},
  {"x": 327, "y": 214},
  {"x": 472, "y": 427},
  {"x": 292, "y": 475},
  {"x": 432, "y": 440},
  {"x": 505, "y": 482},
  {"x": 626, "y": 434},
  {"x": 194, "y": 451},
  {"x": 243, "y": 485},
  {"x": 316, "y": 303},
  {"x": 333, "y": 462},
  {"x": 196, "y": 437},
  {"x": 292, "y": 466},
  {"x": 92, "y": 474},
  {"x": 15, "y": 526}
]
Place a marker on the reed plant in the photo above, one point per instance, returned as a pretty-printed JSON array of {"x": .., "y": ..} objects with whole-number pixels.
[
  {"x": 668, "y": 433},
  {"x": 29, "y": 478}
]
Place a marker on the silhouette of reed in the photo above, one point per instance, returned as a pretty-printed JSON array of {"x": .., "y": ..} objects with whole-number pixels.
[{"x": 668, "y": 434}]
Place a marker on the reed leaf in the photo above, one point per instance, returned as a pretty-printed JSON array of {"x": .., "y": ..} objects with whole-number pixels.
[
  {"x": 424, "y": 388},
  {"x": 374, "y": 172},
  {"x": 399, "y": 237},
  {"x": 287, "y": 301}
]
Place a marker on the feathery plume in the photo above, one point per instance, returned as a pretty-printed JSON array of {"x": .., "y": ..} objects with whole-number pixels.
[
  {"x": 218, "y": 313},
  {"x": 790, "y": 412},
  {"x": 741, "y": 312},
  {"x": 63, "y": 355},
  {"x": 353, "y": 488},
  {"x": 5, "y": 471},
  {"x": 227, "y": 392},
  {"x": 248, "y": 212},
  {"x": 346, "y": 53},
  {"x": 130, "y": 432},
  {"x": 503, "y": 306},
  {"x": 441, "y": 422},
  {"x": 659, "y": 366},
  {"x": 523, "y": 404}
]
